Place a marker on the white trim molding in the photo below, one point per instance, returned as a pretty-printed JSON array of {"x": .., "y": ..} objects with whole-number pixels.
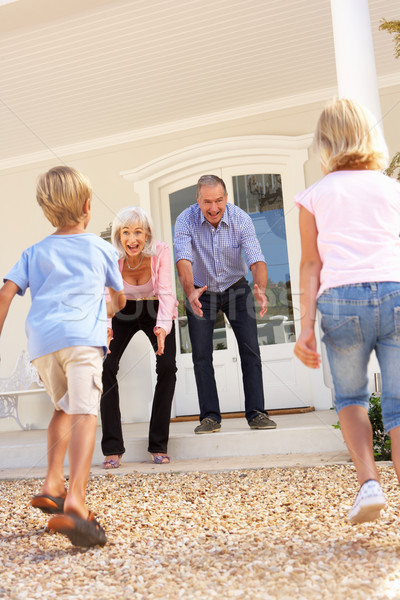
[
  {"x": 205, "y": 156},
  {"x": 225, "y": 150}
]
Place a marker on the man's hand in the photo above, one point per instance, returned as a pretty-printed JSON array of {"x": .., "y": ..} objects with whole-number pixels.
[
  {"x": 185, "y": 273},
  {"x": 161, "y": 335},
  {"x": 261, "y": 300},
  {"x": 195, "y": 302}
]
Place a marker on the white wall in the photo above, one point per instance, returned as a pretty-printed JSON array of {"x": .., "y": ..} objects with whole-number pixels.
[{"x": 23, "y": 224}]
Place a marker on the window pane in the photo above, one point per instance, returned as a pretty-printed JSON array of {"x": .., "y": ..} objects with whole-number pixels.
[{"x": 260, "y": 195}]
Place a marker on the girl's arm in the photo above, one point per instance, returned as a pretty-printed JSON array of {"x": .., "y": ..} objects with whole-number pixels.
[{"x": 310, "y": 268}]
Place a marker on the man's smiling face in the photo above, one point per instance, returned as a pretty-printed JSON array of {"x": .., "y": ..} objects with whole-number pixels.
[{"x": 212, "y": 201}]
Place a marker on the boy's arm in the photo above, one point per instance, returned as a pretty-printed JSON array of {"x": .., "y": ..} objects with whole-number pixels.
[
  {"x": 7, "y": 293},
  {"x": 117, "y": 302}
]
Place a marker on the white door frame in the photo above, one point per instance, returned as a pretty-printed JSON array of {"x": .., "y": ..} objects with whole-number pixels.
[{"x": 288, "y": 153}]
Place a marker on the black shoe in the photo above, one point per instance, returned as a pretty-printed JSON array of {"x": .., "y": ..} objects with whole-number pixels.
[
  {"x": 261, "y": 421},
  {"x": 208, "y": 426}
]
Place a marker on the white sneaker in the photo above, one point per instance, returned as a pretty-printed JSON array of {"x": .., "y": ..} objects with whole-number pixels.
[{"x": 369, "y": 502}]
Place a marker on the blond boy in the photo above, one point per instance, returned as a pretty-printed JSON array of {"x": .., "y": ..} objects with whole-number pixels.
[{"x": 67, "y": 340}]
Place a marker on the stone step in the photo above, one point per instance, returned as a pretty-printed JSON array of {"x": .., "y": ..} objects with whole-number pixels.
[{"x": 311, "y": 432}]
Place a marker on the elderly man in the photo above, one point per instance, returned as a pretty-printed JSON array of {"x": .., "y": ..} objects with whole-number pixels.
[{"x": 209, "y": 239}]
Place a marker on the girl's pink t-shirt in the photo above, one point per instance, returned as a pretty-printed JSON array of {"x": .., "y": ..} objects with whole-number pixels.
[{"x": 357, "y": 214}]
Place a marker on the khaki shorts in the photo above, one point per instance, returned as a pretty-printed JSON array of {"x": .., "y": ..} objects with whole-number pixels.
[{"x": 72, "y": 378}]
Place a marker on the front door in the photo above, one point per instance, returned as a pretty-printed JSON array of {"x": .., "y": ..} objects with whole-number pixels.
[{"x": 261, "y": 193}]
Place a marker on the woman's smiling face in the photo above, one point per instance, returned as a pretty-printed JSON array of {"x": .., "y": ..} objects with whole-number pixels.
[{"x": 133, "y": 238}]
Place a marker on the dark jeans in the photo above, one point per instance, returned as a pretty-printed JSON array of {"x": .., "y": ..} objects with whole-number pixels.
[
  {"x": 238, "y": 305},
  {"x": 138, "y": 315}
]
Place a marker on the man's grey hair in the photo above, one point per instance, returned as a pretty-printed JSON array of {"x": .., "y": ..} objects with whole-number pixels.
[{"x": 210, "y": 181}]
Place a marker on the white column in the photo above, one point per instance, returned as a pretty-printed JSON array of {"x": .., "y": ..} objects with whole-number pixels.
[
  {"x": 356, "y": 72},
  {"x": 354, "y": 51}
]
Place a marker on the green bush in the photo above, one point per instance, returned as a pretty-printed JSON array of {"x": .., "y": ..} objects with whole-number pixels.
[{"x": 381, "y": 442}]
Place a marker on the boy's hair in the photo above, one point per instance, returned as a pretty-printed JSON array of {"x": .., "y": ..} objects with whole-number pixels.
[
  {"x": 131, "y": 215},
  {"x": 347, "y": 137},
  {"x": 62, "y": 193}
]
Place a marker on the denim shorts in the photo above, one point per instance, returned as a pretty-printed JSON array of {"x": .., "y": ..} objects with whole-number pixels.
[{"x": 357, "y": 319}]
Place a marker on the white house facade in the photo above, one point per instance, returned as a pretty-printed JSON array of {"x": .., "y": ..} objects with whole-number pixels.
[{"x": 262, "y": 151}]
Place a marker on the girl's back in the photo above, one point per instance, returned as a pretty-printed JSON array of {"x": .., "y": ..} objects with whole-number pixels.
[{"x": 357, "y": 213}]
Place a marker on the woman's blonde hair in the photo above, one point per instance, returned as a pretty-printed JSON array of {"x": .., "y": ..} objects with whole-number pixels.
[
  {"x": 347, "y": 137},
  {"x": 131, "y": 215},
  {"x": 62, "y": 193}
]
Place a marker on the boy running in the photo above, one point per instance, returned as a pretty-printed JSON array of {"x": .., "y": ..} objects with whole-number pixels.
[{"x": 67, "y": 340}]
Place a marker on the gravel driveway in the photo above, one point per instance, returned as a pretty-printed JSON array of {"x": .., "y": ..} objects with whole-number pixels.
[{"x": 249, "y": 534}]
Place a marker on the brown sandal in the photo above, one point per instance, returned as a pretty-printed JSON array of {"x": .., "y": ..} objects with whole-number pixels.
[
  {"x": 80, "y": 532},
  {"x": 49, "y": 504}
]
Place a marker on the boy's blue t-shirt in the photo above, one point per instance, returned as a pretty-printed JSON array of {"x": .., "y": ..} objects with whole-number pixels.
[{"x": 67, "y": 276}]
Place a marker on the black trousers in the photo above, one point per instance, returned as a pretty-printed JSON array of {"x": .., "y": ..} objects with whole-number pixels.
[{"x": 138, "y": 315}]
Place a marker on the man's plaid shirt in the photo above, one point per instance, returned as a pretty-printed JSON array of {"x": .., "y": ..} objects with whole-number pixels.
[{"x": 216, "y": 253}]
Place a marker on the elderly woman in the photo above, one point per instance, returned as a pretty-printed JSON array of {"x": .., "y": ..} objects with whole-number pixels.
[{"x": 145, "y": 266}]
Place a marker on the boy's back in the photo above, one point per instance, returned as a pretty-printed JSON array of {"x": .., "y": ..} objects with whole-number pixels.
[
  {"x": 67, "y": 275},
  {"x": 67, "y": 338}
]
